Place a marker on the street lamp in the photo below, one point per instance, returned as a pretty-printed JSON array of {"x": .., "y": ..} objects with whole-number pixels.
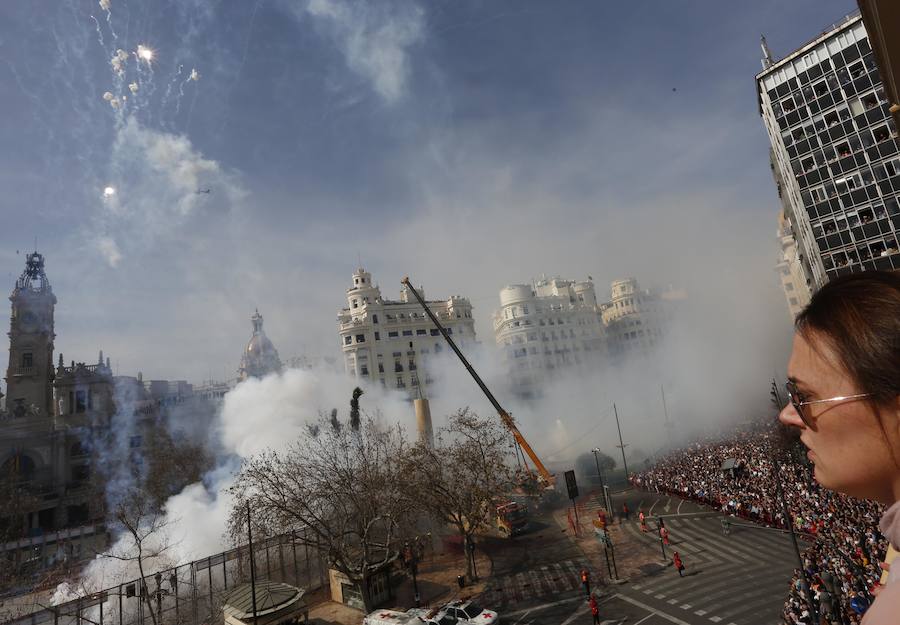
[{"x": 603, "y": 489}]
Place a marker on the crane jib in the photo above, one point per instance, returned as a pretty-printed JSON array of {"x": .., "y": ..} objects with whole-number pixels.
[{"x": 504, "y": 416}]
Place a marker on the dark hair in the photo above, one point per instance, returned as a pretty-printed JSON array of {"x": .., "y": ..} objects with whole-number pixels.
[{"x": 859, "y": 316}]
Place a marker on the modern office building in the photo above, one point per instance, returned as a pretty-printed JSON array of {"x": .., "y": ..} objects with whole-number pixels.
[
  {"x": 391, "y": 341},
  {"x": 547, "y": 326},
  {"x": 836, "y": 151}
]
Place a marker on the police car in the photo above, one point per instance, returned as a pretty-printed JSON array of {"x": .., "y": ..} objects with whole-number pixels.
[{"x": 470, "y": 613}]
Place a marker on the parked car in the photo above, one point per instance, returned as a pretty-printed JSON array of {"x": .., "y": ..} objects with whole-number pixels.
[{"x": 470, "y": 613}]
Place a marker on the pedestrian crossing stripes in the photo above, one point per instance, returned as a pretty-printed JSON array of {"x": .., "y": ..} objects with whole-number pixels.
[
  {"x": 548, "y": 580},
  {"x": 738, "y": 579}
]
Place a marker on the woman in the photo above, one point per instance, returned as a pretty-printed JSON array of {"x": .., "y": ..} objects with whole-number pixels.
[{"x": 844, "y": 390}]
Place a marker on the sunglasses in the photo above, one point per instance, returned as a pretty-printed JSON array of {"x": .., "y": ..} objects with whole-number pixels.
[{"x": 799, "y": 402}]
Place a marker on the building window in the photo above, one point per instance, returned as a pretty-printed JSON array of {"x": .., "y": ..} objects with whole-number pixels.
[
  {"x": 360, "y": 338},
  {"x": 377, "y": 336},
  {"x": 380, "y": 367},
  {"x": 421, "y": 332},
  {"x": 407, "y": 333},
  {"x": 27, "y": 359},
  {"x": 435, "y": 332},
  {"x": 393, "y": 335},
  {"x": 364, "y": 370},
  {"x": 80, "y": 401},
  {"x": 374, "y": 318},
  {"x": 356, "y": 303},
  {"x": 348, "y": 339}
]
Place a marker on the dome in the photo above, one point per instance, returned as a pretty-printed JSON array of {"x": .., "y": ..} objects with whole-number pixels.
[{"x": 260, "y": 356}]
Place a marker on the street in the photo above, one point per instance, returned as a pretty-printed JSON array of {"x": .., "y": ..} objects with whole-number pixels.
[{"x": 738, "y": 579}]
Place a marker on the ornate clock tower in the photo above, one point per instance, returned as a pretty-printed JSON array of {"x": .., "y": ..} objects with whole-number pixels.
[{"x": 29, "y": 378}]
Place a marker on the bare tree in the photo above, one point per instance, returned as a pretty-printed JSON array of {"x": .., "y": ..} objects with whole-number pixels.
[
  {"x": 143, "y": 543},
  {"x": 344, "y": 490},
  {"x": 458, "y": 480}
]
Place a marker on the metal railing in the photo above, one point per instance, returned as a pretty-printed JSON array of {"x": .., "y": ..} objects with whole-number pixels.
[{"x": 188, "y": 594}]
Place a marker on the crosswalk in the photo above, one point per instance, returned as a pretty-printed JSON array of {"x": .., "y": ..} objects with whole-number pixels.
[
  {"x": 548, "y": 580},
  {"x": 739, "y": 579}
]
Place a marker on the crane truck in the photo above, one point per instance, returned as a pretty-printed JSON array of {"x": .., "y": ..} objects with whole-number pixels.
[{"x": 543, "y": 476}]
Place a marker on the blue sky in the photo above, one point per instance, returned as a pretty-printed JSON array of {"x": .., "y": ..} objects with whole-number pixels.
[{"x": 467, "y": 144}]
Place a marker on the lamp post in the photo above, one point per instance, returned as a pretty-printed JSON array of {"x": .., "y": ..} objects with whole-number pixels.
[{"x": 596, "y": 450}]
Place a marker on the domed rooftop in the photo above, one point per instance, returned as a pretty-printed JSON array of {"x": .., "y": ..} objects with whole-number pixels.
[{"x": 260, "y": 356}]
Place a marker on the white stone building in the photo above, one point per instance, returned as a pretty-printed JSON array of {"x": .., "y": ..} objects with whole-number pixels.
[
  {"x": 392, "y": 341},
  {"x": 636, "y": 319},
  {"x": 790, "y": 271},
  {"x": 549, "y": 325}
]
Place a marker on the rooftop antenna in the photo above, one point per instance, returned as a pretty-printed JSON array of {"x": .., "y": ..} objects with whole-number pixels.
[{"x": 767, "y": 60}]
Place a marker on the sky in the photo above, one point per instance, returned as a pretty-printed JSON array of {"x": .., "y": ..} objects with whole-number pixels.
[{"x": 466, "y": 144}]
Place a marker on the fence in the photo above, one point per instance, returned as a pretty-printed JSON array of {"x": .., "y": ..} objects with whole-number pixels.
[{"x": 189, "y": 594}]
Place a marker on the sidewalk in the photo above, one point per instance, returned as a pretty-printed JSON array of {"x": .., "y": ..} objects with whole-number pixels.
[{"x": 437, "y": 584}]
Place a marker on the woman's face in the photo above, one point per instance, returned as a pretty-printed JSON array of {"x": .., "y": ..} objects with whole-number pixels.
[{"x": 846, "y": 444}]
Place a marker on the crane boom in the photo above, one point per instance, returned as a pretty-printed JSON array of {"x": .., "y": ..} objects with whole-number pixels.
[{"x": 507, "y": 419}]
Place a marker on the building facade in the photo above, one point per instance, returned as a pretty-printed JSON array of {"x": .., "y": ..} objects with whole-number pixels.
[
  {"x": 391, "y": 341},
  {"x": 635, "y": 318},
  {"x": 551, "y": 325},
  {"x": 45, "y": 457},
  {"x": 836, "y": 151}
]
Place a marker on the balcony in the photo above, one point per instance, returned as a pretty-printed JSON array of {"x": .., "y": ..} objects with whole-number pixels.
[{"x": 24, "y": 371}]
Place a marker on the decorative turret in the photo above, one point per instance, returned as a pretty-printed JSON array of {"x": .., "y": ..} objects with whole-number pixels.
[{"x": 260, "y": 356}]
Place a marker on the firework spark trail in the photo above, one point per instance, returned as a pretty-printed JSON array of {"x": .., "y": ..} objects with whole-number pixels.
[
  {"x": 172, "y": 83},
  {"x": 193, "y": 77},
  {"x": 99, "y": 32},
  {"x": 105, "y": 5}
]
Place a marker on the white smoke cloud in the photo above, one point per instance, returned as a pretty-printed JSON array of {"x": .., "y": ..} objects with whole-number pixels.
[
  {"x": 157, "y": 175},
  {"x": 374, "y": 38},
  {"x": 258, "y": 414}
]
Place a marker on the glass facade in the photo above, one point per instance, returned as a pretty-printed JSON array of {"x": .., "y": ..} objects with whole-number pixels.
[{"x": 829, "y": 120}]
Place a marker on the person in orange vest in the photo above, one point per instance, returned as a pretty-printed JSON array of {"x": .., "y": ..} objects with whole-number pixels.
[
  {"x": 643, "y": 521},
  {"x": 626, "y": 511},
  {"x": 664, "y": 534},
  {"x": 586, "y": 581},
  {"x": 679, "y": 565},
  {"x": 595, "y": 610}
]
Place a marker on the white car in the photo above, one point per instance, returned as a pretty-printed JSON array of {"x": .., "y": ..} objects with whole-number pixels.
[{"x": 470, "y": 613}]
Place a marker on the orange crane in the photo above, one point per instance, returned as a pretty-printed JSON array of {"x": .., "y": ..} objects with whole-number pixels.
[{"x": 544, "y": 476}]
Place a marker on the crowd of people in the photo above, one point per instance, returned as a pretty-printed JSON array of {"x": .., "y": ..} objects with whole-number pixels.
[{"x": 845, "y": 544}]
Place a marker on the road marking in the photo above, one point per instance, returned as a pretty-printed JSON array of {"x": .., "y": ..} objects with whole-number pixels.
[
  {"x": 648, "y": 591},
  {"x": 650, "y": 512},
  {"x": 699, "y": 612},
  {"x": 678, "y": 509},
  {"x": 536, "y": 582},
  {"x": 686, "y": 606},
  {"x": 715, "y": 619},
  {"x": 650, "y": 608},
  {"x": 672, "y": 601},
  {"x": 643, "y": 619},
  {"x": 574, "y": 614},
  {"x": 544, "y": 606},
  {"x": 668, "y": 504},
  {"x": 527, "y": 612}
]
